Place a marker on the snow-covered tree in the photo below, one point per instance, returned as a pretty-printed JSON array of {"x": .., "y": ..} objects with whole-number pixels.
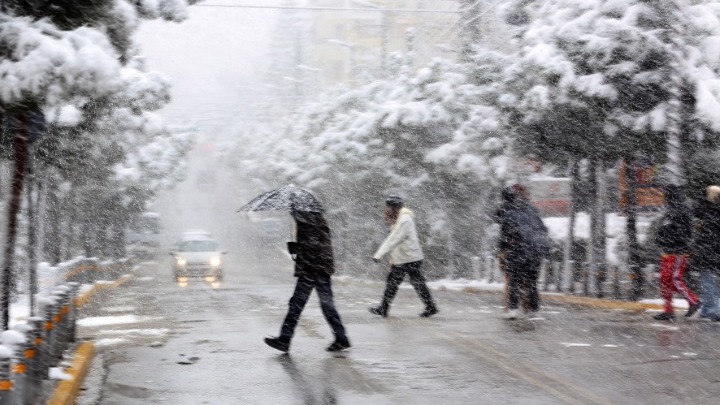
[
  {"x": 630, "y": 76},
  {"x": 612, "y": 79},
  {"x": 435, "y": 135},
  {"x": 75, "y": 59}
]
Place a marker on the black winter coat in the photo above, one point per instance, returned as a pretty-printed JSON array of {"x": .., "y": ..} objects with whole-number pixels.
[
  {"x": 314, "y": 252},
  {"x": 512, "y": 242},
  {"x": 706, "y": 249},
  {"x": 675, "y": 232}
]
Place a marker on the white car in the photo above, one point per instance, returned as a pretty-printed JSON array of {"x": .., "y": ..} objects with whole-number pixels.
[{"x": 197, "y": 255}]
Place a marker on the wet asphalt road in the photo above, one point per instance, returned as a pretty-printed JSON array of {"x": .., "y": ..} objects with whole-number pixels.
[
  {"x": 199, "y": 344},
  {"x": 161, "y": 343}
]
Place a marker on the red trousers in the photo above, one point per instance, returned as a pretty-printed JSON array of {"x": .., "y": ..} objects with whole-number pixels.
[{"x": 672, "y": 270}]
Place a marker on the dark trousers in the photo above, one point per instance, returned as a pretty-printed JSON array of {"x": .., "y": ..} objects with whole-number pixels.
[
  {"x": 396, "y": 276},
  {"x": 303, "y": 289},
  {"x": 522, "y": 278}
]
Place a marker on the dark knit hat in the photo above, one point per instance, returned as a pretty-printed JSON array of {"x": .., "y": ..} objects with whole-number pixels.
[{"x": 395, "y": 200}]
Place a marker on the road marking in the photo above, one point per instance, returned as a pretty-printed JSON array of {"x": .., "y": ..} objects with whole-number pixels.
[{"x": 563, "y": 390}]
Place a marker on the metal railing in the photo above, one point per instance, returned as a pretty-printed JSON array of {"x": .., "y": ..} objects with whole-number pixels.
[
  {"x": 31, "y": 349},
  {"x": 574, "y": 278}
]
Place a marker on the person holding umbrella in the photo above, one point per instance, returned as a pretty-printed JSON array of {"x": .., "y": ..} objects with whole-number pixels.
[
  {"x": 314, "y": 262},
  {"x": 406, "y": 257}
]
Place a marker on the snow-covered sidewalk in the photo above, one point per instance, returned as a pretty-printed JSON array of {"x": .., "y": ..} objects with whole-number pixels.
[{"x": 474, "y": 286}]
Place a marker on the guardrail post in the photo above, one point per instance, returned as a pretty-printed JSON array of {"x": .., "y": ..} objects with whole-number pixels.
[
  {"x": 569, "y": 277},
  {"x": 61, "y": 322},
  {"x": 44, "y": 343},
  {"x": 74, "y": 289},
  {"x": 476, "y": 267},
  {"x": 545, "y": 274},
  {"x": 34, "y": 336},
  {"x": 557, "y": 273},
  {"x": 23, "y": 386},
  {"x": 51, "y": 336},
  {"x": 7, "y": 395},
  {"x": 494, "y": 268}
]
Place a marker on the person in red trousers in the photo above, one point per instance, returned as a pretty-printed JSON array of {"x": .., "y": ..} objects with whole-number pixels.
[{"x": 674, "y": 238}]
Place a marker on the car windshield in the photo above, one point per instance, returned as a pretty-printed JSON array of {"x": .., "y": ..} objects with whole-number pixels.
[{"x": 197, "y": 246}]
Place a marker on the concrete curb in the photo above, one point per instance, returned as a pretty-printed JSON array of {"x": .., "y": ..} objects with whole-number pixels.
[
  {"x": 587, "y": 302},
  {"x": 85, "y": 297},
  {"x": 66, "y": 392},
  {"x": 600, "y": 303}
]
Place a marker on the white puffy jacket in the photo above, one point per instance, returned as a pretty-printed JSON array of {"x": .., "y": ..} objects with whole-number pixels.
[{"x": 402, "y": 243}]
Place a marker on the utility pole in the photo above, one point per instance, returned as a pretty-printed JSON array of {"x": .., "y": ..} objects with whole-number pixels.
[
  {"x": 20, "y": 157},
  {"x": 32, "y": 234},
  {"x": 384, "y": 39},
  {"x": 469, "y": 27}
]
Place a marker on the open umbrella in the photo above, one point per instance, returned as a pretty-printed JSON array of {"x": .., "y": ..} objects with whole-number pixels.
[{"x": 286, "y": 198}]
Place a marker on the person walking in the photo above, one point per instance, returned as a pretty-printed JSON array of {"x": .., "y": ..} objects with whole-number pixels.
[
  {"x": 314, "y": 264},
  {"x": 705, "y": 256},
  {"x": 524, "y": 243},
  {"x": 406, "y": 257},
  {"x": 673, "y": 238}
]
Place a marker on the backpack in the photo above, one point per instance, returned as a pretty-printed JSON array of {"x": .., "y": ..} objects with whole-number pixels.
[{"x": 531, "y": 232}]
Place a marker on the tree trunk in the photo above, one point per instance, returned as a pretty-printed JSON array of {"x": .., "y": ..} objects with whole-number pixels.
[
  {"x": 32, "y": 238},
  {"x": 70, "y": 232},
  {"x": 52, "y": 242},
  {"x": 20, "y": 157},
  {"x": 589, "y": 281},
  {"x": 638, "y": 277},
  {"x": 87, "y": 241},
  {"x": 570, "y": 241},
  {"x": 600, "y": 238}
]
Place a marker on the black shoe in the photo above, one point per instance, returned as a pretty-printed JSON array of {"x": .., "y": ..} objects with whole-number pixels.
[
  {"x": 378, "y": 311},
  {"x": 339, "y": 345},
  {"x": 277, "y": 343},
  {"x": 429, "y": 312},
  {"x": 664, "y": 317},
  {"x": 693, "y": 308}
]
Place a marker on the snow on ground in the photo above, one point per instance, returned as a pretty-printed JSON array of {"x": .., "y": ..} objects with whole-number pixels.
[
  {"x": 136, "y": 332},
  {"x": 113, "y": 320},
  {"x": 462, "y": 284},
  {"x": 49, "y": 278},
  {"x": 58, "y": 373},
  {"x": 677, "y": 302},
  {"x": 615, "y": 230},
  {"x": 110, "y": 342}
]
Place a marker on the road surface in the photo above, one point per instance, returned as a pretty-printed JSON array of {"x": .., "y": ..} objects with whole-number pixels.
[{"x": 202, "y": 344}]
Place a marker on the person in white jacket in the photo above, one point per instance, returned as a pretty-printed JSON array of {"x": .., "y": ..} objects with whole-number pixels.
[{"x": 406, "y": 257}]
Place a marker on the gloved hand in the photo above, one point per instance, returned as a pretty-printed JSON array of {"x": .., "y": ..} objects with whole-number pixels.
[{"x": 292, "y": 247}]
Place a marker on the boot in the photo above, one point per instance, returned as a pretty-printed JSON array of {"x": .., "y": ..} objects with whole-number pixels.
[
  {"x": 339, "y": 345},
  {"x": 692, "y": 309},
  {"x": 665, "y": 316},
  {"x": 429, "y": 312},
  {"x": 278, "y": 343},
  {"x": 382, "y": 311}
]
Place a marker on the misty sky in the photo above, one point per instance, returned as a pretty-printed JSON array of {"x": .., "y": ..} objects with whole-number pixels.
[{"x": 214, "y": 61}]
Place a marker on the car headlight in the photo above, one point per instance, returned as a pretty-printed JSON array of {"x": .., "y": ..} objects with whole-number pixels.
[
  {"x": 181, "y": 261},
  {"x": 215, "y": 261}
]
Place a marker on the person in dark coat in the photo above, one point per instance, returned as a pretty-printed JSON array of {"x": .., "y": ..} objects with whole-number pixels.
[
  {"x": 314, "y": 264},
  {"x": 523, "y": 244},
  {"x": 705, "y": 256},
  {"x": 673, "y": 238}
]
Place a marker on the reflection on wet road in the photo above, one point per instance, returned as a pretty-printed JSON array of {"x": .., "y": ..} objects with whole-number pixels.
[{"x": 202, "y": 344}]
